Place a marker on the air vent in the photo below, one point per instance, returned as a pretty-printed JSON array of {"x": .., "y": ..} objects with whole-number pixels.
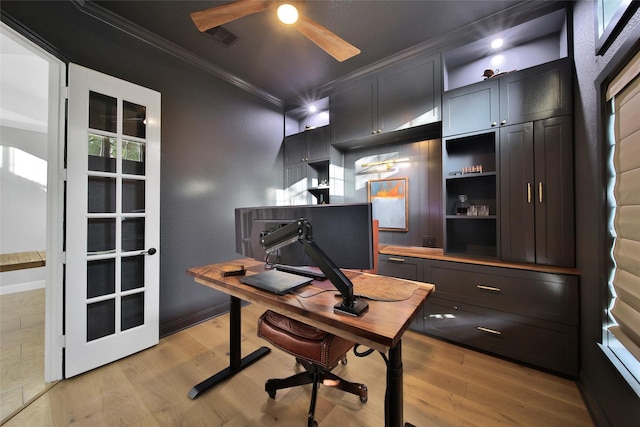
[{"x": 223, "y": 35}]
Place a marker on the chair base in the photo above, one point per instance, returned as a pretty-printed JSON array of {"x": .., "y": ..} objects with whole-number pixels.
[{"x": 315, "y": 375}]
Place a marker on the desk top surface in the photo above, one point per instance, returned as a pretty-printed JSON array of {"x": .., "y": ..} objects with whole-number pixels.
[{"x": 381, "y": 327}]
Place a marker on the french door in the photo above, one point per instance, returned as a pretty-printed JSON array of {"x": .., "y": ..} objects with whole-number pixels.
[{"x": 112, "y": 220}]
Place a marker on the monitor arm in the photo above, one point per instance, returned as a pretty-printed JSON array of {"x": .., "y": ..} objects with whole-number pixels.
[{"x": 301, "y": 231}]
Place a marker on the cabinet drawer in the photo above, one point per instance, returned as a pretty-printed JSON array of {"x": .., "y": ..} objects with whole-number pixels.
[
  {"x": 400, "y": 266},
  {"x": 547, "y": 296},
  {"x": 544, "y": 344}
]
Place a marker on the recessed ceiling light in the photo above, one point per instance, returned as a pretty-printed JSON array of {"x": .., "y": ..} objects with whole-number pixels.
[
  {"x": 497, "y": 43},
  {"x": 312, "y": 108}
]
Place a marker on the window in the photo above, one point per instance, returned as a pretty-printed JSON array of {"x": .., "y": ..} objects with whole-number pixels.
[{"x": 621, "y": 339}]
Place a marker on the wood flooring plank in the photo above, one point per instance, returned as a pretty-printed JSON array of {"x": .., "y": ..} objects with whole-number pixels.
[{"x": 444, "y": 386}]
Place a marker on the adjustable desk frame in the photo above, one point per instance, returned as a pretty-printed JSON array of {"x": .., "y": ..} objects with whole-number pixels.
[{"x": 211, "y": 276}]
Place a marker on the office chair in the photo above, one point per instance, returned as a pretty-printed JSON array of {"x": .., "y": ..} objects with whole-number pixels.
[{"x": 318, "y": 351}]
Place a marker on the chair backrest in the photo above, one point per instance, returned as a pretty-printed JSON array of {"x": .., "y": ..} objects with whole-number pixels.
[{"x": 375, "y": 227}]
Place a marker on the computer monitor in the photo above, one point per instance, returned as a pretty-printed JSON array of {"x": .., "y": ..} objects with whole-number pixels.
[{"x": 343, "y": 232}]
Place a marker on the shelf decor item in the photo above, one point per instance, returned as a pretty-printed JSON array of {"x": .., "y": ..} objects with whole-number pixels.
[{"x": 390, "y": 200}]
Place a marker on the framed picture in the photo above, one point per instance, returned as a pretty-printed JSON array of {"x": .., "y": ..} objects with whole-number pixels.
[{"x": 390, "y": 200}]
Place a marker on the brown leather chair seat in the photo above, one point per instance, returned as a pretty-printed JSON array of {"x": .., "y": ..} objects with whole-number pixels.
[{"x": 318, "y": 351}]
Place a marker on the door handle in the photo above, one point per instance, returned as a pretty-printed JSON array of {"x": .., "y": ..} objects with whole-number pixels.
[
  {"x": 150, "y": 251},
  {"x": 540, "y": 191},
  {"x": 528, "y": 192}
]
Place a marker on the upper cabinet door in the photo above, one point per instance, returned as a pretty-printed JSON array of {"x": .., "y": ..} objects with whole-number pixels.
[
  {"x": 536, "y": 93},
  {"x": 353, "y": 110},
  {"x": 471, "y": 108},
  {"x": 533, "y": 94},
  {"x": 409, "y": 94}
]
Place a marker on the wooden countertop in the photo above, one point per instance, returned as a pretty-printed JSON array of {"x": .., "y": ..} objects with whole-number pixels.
[
  {"x": 438, "y": 254},
  {"x": 22, "y": 260}
]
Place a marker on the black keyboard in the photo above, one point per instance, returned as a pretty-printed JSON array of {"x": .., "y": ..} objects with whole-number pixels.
[{"x": 302, "y": 271}]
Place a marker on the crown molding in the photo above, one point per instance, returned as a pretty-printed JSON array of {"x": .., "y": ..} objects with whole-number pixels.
[{"x": 98, "y": 12}]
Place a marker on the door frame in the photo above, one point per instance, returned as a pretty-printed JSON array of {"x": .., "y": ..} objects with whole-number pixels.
[{"x": 54, "y": 295}]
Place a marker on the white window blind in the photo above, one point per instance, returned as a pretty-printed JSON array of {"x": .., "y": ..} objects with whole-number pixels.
[{"x": 624, "y": 91}]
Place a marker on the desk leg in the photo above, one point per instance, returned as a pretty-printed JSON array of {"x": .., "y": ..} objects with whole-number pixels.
[
  {"x": 394, "y": 398},
  {"x": 236, "y": 362}
]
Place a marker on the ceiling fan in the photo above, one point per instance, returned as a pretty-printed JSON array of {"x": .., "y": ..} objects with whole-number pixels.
[{"x": 340, "y": 49}]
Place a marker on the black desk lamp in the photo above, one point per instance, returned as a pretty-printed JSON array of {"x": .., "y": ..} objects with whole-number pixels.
[{"x": 300, "y": 230}]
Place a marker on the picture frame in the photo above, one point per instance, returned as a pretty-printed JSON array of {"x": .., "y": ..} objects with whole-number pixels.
[{"x": 390, "y": 202}]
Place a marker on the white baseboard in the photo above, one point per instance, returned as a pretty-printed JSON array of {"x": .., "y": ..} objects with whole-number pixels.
[{"x": 22, "y": 287}]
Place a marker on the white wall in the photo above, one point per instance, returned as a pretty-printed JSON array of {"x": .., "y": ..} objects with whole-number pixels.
[{"x": 23, "y": 160}]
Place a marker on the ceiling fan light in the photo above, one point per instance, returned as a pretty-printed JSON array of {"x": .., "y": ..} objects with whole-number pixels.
[{"x": 287, "y": 14}]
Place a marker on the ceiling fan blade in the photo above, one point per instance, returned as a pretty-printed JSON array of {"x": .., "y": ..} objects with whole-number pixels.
[
  {"x": 220, "y": 15},
  {"x": 340, "y": 49}
]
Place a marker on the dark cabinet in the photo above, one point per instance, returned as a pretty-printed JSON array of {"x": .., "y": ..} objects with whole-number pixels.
[
  {"x": 530, "y": 316},
  {"x": 403, "y": 95},
  {"x": 470, "y": 171},
  {"x": 307, "y": 159},
  {"x": 471, "y": 108},
  {"x": 535, "y": 93},
  {"x": 536, "y": 186},
  {"x": 309, "y": 146}
]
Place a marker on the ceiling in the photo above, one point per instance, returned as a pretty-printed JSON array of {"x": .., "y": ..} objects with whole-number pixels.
[{"x": 282, "y": 63}]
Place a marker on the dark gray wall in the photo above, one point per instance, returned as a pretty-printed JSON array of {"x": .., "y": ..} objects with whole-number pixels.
[
  {"x": 611, "y": 400},
  {"x": 424, "y": 175},
  {"x": 220, "y": 148}
]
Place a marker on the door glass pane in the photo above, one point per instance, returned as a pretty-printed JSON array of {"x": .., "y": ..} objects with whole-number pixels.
[
  {"x": 132, "y": 311},
  {"x": 132, "y": 274},
  {"x": 102, "y": 195},
  {"x": 132, "y": 196},
  {"x": 101, "y": 277},
  {"x": 101, "y": 319},
  {"x": 101, "y": 235},
  {"x": 103, "y": 112},
  {"x": 132, "y": 234},
  {"x": 103, "y": 151},
  {"x": 134, "y": 119},
  {"x": 133, "y": 157}
]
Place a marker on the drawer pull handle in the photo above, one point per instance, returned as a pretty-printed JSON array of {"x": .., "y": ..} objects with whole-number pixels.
[
  {"x": 488, "y": 288},
  {"x": 490, "y": 331},
  {"x": 394, "y": 259}
]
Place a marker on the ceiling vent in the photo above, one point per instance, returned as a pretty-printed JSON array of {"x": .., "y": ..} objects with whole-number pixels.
[{"x": 222, "y": 35}]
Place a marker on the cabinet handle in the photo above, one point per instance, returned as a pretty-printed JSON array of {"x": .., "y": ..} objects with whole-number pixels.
[
  {"x": 528, "y": 192},
  {"x": 487, "y": 330},
  {"x": 488, "y": 288},
  {"x": 540, "y": 191},
  {"x": 394, "y": 259},
  {"x": 503, "y": 122},
  {"x": 494, "y": 124}
]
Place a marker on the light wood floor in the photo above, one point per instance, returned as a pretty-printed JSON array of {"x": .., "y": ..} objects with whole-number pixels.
[
  {"x": 444, "y": 385},
  {"x": 21, "y": 349}
]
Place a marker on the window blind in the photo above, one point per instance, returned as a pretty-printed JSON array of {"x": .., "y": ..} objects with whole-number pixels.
[{"x": 624, "y": 90}]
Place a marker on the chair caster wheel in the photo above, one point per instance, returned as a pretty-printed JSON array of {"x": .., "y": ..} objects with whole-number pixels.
[{"x": 272, "y": 394}]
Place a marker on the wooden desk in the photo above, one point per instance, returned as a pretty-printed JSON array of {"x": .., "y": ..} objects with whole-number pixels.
[{"x": 380, "y": 328}]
